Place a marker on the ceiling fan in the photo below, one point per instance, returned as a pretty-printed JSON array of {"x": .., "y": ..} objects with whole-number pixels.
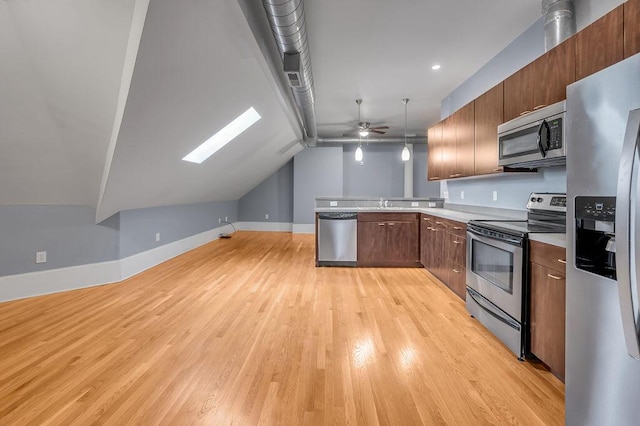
[{"x": 364, "y": 127}]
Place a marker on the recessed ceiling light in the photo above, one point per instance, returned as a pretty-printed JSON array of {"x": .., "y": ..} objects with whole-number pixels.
[
  {"x": 223, "y": 137},
  {"x": 436, "y": 67}
]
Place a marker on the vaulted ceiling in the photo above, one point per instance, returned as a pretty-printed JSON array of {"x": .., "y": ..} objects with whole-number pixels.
[{"x": 100, "y": 100}]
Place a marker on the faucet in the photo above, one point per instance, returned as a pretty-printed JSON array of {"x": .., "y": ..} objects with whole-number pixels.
[{"x": 386, "y": 203}]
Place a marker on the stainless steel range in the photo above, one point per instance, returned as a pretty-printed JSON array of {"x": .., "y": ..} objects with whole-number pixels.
[{"x": 497, "y": 268}]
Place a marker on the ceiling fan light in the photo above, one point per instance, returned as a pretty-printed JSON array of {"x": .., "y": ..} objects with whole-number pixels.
[
  {"x": 364, "y": 133},
  {"x": 359, "y": 154},
  {"x": 406, "y": 155}
]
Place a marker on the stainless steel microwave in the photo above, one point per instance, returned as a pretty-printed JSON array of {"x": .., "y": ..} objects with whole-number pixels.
[{"x": 536, "y": 139}]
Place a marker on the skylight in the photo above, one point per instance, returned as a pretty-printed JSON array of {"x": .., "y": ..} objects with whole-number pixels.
[{"x": 223, "y": 137}]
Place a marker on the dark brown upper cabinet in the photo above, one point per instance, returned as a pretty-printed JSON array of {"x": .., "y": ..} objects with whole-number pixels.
[
  {"x": 631, "y": 28},
  {"x": 489, "y": 108},
  {"x": 465, "y": 145},
  {"x": 449, "y": 146},
  {"x": 553, "y": 72},
  {"x": 518, "y": 93},
  {"x": 434, "y": 153},
  {"x": 600, "y": 44}
]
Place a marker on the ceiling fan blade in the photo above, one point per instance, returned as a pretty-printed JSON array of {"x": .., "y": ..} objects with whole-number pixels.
[
  {"x": 378, "y": 128},
  {"x": 380, "y": 132}
]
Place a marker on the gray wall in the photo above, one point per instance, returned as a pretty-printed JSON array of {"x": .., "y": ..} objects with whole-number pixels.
[
  {"x": 524, "y": 49},
  {"x": 68, "y": 234},
  {"x": 421, "y": 186},
  {"x": 380, "y": 174},
  {"x": 588, "y": 11},
  {"x": 316, "y": 172},
  {"x": 513, "y": 188},
  {"x": 138, "y": 227},
  {"x": 274, "y": 197}
]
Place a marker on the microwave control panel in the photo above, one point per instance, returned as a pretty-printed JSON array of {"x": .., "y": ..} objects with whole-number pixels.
[{"x": 555, "y": 132}]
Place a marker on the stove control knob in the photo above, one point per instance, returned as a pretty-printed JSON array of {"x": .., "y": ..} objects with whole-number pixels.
[
  {"x": 539, "y": 200},
  {"x": 533, "y": 199}
]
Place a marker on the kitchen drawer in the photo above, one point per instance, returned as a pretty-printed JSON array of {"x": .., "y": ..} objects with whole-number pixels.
[
  {"x": 458, "y": 228},
  {"x": 458, "y": 280},
  {"x": 388, "y": 217},
  {"x": 548, "y": 255}
]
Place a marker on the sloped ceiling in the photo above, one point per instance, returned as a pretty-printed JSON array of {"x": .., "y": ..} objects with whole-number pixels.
[
  {"x": 198, "y": 67},
  {"x": 60, "y": 69}
]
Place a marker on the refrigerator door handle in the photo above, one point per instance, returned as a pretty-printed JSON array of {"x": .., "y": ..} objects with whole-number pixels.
[{"x": 626, "y": 205}]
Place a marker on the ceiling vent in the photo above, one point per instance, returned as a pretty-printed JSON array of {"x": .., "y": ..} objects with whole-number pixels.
[
  {"x": 559, "y": 22},
  {"x": 292, "y": 69}
]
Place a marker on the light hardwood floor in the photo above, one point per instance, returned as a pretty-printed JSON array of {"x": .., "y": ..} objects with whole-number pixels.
[{"x": 248, "y": 331}]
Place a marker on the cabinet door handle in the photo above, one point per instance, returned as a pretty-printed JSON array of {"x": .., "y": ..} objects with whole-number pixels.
[
  {"x": 555, "y": 277},
  {"x": 538, "y": 107},
  {"x": 455, "y": 175},
  {"x": 457, "y": 242},
  {"x": 381, "y": 224},
  {"x": 524, "y": 112},
  {"x": 391, "y": 223},
  {"x": 435, "y": 177},
  {"x": 562, "y": 261},
  {"x": 497, "y": 169},
  {"x": 434, "y": 230},
  {"x": 438, "y": 223},
  {"x": 457, "y": 228},
  {"x": 456, "y": 271}
]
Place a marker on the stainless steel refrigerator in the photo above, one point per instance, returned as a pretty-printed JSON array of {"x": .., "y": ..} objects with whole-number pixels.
[{"x": 603, "y": 236}]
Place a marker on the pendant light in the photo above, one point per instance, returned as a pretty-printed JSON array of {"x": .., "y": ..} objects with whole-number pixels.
[
  {"x": 359, "y": 154},
  {"x": 406, "y": 155}
]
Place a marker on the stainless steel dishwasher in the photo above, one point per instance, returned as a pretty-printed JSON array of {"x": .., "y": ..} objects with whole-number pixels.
[{"x": 337, "y": 239}]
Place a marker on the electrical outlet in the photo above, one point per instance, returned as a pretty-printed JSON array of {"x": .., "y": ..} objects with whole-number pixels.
[
  {"x": 157, "y": 236},
  {"x": 266, "y": 216},
  {"x": 415, "y": 204},
  {"x": 226, "y": 218},
  {"x": 219, "y": 220},
  {"x": 41, "y": 257},
  {"x": 495, "y": 195},
  {"x": 462, "y": 195},
  {"x": 446, "y": 194},
  {"x": 333, "y": 204}
]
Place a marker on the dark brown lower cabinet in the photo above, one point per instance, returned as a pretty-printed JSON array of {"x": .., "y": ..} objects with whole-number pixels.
[
  {"x": 443, "y": 251},
  {"x": 372, "y": 242},
  {"x": 388, "y": 239},
  {"x": 548, "y": 297}
]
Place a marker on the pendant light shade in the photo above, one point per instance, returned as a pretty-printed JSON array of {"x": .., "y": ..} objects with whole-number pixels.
[
  {"x": 359, "y": 154},
  {"x": 406, "y": 154}
]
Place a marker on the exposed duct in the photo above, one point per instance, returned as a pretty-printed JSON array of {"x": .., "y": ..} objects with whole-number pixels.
[
  {"x": 286, "y": 18},
  {"x": 559, "y": 22},
  {"x": 343, "y": 140}
]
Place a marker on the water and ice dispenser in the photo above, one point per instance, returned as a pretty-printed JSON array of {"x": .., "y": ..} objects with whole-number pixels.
[{"x": 595, "y": 235}]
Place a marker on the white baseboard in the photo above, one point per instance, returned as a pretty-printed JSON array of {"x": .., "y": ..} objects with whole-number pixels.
[
  {"x": 265, "y": 226},
  {"x": 31, "y": 284},
  {"x": 304, "y": 228}
]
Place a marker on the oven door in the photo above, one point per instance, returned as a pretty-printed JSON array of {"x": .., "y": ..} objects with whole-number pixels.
[{"x": 494, "y": 269}]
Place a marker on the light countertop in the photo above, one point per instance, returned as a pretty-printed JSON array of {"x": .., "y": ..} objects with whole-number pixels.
[
  {"x": 558, "y": 240},
  {"x": 444, "y": 213}
]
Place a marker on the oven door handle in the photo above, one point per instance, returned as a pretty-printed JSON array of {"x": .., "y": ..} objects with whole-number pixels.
[
  {"x": 473, "y": 234},
  {"x": 477, "y": 297}
]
